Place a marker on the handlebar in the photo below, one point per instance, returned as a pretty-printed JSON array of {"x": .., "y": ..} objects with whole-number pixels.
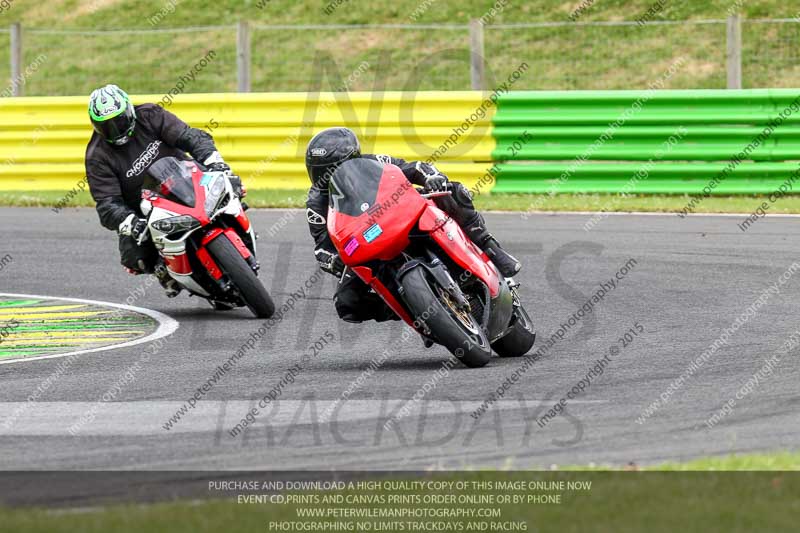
[
  {"x": 426, "y": 193},
  {"x": 436, "y": 194}
]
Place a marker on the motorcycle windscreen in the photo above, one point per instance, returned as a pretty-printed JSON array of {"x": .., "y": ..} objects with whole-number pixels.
[
  {"x": 354, "y": 186},
  {"x": 373, "y": 207},
  {"x": 172, "y": 179}
]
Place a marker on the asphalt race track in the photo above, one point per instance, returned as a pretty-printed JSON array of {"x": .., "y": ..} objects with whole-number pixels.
[{"x": 691, "y": 279}]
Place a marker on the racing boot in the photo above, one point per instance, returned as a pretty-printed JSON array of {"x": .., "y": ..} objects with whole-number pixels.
[
  {"x": 507, "y": 264},
  {"x": 171, "y": 287}
]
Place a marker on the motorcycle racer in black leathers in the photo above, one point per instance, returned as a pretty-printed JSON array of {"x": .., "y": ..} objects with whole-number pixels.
[
  {"x": 354, "y": 299},
  {"x": 127, "y": 139}
]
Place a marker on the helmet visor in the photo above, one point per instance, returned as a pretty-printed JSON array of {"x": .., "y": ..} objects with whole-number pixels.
[
  {"x": 116, "y": 129},
  {"x": 321, "y": 174}
]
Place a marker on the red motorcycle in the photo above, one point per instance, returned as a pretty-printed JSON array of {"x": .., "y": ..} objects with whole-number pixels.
[
  {"x": 423, "y": 265},
  {"x": 199, "y": 227}
]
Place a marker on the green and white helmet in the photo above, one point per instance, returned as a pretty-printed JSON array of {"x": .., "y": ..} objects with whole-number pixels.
[{"x": 112, "y": 114}]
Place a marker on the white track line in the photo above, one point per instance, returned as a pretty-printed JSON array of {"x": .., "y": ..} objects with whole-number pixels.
[
  {"x": 147, "y": 418},
  {"x": 166, "y": 326},
  {"x": 612, "y": 213}
]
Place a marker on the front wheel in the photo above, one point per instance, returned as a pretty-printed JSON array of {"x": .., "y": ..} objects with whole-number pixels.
[
  {"x": 455, "y": 329},
  {"x": 250, "y": 289},
  {"x": 519, "y": 340}
]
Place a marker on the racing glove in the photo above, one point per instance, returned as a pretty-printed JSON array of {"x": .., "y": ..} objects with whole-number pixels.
[
  {"x": 215, "y": 163},
  {"x": 135, "y": 227},
  {"x": 330, "y": 262},
  {"x": 434, "y": 180},
  {"x": 219, "y": 167}
]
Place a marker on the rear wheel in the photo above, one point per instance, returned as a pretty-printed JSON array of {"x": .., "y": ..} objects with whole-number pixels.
[
  {"x": 250, "y": 289},
  {"x": 455, "y": 329},
  {"x": 520, "y": 339}
]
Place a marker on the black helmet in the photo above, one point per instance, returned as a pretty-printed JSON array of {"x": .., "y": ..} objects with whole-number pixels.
[
  {"x": 112, "y": 114},
  {"x": 327, "y": 150}
]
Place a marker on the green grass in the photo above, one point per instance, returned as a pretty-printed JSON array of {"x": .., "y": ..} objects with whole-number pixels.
[
  {"x": 775, "y": 462},
  {"x": 616, "y": 502},
  {"x": 568, "y": 57},
  {"x": 486, "y": 202},
  {"x": 643, "y": 203}
]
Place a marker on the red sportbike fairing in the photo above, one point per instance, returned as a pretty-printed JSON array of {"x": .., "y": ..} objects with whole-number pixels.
[
  {"x": 423, "y": 265},
  {"x": 199, "y": 227}
]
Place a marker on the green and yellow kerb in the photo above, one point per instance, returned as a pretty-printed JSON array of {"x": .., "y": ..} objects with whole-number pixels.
[{"x": 37, "y": 327}]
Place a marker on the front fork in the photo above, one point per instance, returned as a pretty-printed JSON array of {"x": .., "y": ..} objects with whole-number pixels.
[{"x": 441, "y": 275}]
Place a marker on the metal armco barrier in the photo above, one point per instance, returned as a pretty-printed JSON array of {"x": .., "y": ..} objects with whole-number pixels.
[
  {"x": 262, "y": 136},
  {"x": 541, "y": 141},
  {"x": 666, "y": 141}
]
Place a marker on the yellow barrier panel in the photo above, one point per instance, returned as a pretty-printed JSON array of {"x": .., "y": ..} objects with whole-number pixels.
[{"x": 262, "y": 136}]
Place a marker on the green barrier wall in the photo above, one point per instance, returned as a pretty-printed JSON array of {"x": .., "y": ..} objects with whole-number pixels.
[{"x": 646, "y": 141}]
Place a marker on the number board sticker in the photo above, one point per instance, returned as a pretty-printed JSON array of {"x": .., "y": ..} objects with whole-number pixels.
[
  {"x": 351, "y": 246},
  {"x": 372, "y": 233}
]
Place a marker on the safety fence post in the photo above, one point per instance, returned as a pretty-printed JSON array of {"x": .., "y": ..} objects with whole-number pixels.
[
  {"x": 16, "y": 59},
  {"x": 734, "y": 52},
  {"x": 476, "y": 53},
  {"x": 243, "y": 56}
]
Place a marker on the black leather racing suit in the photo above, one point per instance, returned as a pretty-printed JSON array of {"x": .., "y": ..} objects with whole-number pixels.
[
  {"x": 354, "y": 300},
  {"x": 115, "y": 173}
]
